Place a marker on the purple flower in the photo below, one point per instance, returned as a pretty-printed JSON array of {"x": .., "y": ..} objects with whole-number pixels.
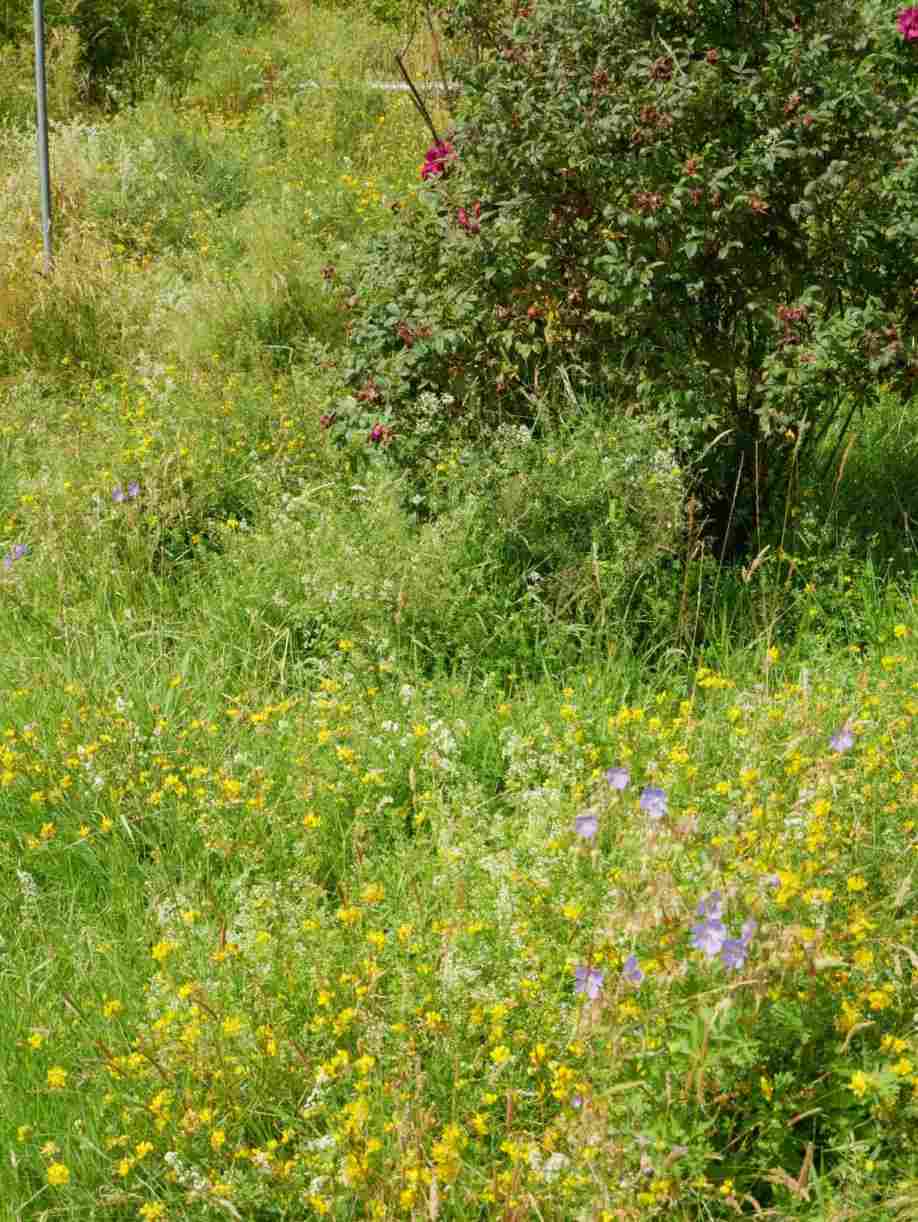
[
  {"x": 117, "y": 494},
  {"x": 653, "y": 801},
  {"x": 709, "y": 936},
  {"x": 133, "y": 489},
  {"x": 16, "y": 552},
  {"x": 586, "y": 826},
  {"x": 711, "y": 906},
  {"x": 907, "y": 24},
  {"x": 618, "y": 778},
  {"x": 589, "y": 981},
  {"x": 631, "y": 972},
  {"x": 773, "y": 880},
  {"x": 734, "y": 950},
  {"x": 733, "y": 954},
  {"x": 844, "y": 739}
]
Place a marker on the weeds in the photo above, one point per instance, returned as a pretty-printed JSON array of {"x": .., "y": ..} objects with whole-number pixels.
[{"x": 479, "y": 846}]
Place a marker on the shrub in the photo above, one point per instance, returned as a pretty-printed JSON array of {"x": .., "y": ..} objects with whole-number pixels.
[{"x": 709, "y": 212}]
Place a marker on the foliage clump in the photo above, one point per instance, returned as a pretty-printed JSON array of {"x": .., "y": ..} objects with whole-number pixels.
[
  {"x": 126, "y": 45},
  {"x": 702, "y": 211}
]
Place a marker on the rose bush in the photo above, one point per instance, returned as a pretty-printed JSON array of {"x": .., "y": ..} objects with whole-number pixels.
[{"x": 705, "y": 211}]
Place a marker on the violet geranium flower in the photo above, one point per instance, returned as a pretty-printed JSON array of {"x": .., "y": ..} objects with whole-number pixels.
[
  {"x": 589, "y": 981},
  {"x": 618, "y": 778},
  {"x": 844, "y": 739},
  {"x": 631, "y": 970},
  {"x": 653, "y": 802},
  {"x": 733, "y": 954},
  {"x": 734, "y": 950},
  {"x": 586, "y": 825},
  {"x": 709, "y": 936},
  {"x": 16, "y": 552},
  {"x": 711, "y": 906}
]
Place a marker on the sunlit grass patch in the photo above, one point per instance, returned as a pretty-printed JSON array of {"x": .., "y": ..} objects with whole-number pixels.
[{"x": 346, "y": 932}]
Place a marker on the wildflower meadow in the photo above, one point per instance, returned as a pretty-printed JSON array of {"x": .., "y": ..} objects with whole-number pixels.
[{"x": 425, "y": 797}]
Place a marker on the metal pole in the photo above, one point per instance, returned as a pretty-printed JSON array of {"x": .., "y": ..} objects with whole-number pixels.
[{"x": 38, "y": 18}]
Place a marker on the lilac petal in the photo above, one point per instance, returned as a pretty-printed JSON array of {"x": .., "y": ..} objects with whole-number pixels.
[
  {"x": 133, "y": 489},
  {"x": 631, "y": 971},
  {"x": 709, "y": 936},
  {"x": 589, "y": 981},
  {"x": 711, "y": 905},
  {"x": 586, "y": 826},
  {"x": 748, "y": 931},
  {"x": 773, "y": 880},
  {"x": 843, "y": 740},
  {"x": 618, "y": 778},
  {"x": 733, "y": 954},
  {"x": 653, "y": 801},
  {"x": 117, "y": 494}
]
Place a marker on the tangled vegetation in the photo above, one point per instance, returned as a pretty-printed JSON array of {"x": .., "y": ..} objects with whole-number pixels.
[{"x": 407, "y": 808}]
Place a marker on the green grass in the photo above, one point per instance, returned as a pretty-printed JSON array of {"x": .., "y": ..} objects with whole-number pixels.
[{"x": 293, "y": 889}]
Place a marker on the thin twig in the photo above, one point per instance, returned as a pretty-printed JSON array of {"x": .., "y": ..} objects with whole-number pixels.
[{"x": 418, "y": 101}]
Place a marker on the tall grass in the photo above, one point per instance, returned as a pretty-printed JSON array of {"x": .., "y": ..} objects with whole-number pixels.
[{"x": 352, "y": 840}]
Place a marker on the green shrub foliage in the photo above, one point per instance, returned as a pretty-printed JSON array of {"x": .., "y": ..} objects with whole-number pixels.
[
  {"x": 125, "y": 45},
  {"x": 707, "y": 210}
]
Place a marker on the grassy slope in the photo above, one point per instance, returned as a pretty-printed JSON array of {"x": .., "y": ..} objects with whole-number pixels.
[{"x": 290, "y": 930}]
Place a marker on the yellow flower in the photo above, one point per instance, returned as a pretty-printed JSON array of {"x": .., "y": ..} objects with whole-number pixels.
[
  {"x": 856, "y": 883},
  {"x": 112, "y": 1007},
  {"x": 900, "y": 631},
  {"x": 36, "y": 1039},
  {"x": 859, "y": 1083},
  {"x": 57, "y": 1077},
  {"x": 162, "y": 950},
  {"x": 152, "y": 1211},
  {"x": 500, "y": 1054},
  {"x": 217, "y": 1139},
  {"x": 58, "y": 1175}
]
